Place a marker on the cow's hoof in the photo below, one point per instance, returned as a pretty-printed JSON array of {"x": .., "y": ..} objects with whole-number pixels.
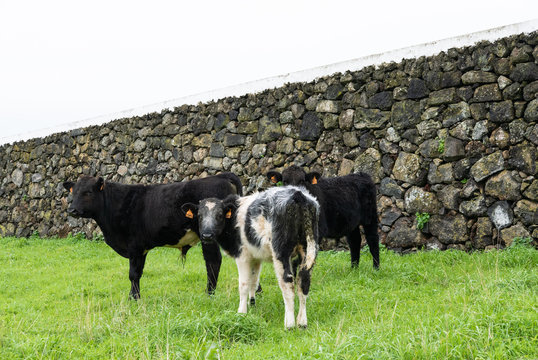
[
  {"x": 302, "y": 326},
  {"x": 259, "y": 290},
  {"x": 252, "y": 301}
]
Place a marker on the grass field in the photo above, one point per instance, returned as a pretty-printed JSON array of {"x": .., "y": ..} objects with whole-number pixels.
[{"x": 68, "y": 298}]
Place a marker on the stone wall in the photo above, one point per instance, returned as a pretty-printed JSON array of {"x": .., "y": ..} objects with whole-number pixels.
[{"x": 453, "y": 135}]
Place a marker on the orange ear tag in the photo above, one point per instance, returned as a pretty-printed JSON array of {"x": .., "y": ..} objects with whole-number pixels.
[
  {"x": 229, "y": 214},
  {"x": 189, "y": 214},
  {"x": 71, "y": 190},
  {"x": 314, "y": 180},
  {"x": 102, "y": 187},
  {"x": 273, "y": 179}
]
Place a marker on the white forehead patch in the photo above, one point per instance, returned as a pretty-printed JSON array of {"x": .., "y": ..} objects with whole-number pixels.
[{"x": 210, "y": 205}]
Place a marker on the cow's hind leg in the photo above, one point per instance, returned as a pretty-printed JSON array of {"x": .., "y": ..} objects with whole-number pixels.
[
  {"x": 285, "y": 281},
  {"x": 372, "y": 239},
  {"x": 254, "y": 281},
  {"x": 213, "y": 259},
  {"x": 354, "y": 239},
  {"x": 136, "y": 267},
  {"x": 303, "y": 287}
]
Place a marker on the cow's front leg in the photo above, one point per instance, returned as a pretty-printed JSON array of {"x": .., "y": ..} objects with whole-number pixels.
[
  {"x": 244, "y": 270},
  {"x": 136, "y": 267},
  {"x": 213, "y": 259}
]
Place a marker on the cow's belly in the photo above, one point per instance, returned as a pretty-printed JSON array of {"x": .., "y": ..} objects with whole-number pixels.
[{"x": 190, "y": 238}]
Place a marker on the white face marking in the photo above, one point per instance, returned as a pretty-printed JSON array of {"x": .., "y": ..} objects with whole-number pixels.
[{"x": 210, "y": 205}]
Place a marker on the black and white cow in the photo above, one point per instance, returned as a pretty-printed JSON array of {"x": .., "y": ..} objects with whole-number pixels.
[
  {"x": 278, "y": 225},
  {"x": 137, "y": 218},
  {"x": 346, "y": 202}
]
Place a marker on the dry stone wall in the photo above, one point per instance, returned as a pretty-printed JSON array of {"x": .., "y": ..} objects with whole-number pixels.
[{"x": 453, "y": 136}]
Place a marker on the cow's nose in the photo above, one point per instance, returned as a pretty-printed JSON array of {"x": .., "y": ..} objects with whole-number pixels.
[
  {"x": 72, "y": 211},
  {"x": 207, "y": 236}
]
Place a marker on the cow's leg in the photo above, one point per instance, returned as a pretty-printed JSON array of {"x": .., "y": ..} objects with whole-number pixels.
[
  {"x": 136, "y": 267},
  {"x": 354, "y": 239},
  {"x": 284, "y": 275},
  {"x": 244, "y": 270},
  {"x": 372, "y": 239},
  {"x": 213, "y": 259},
  {"x": 303, "y": 287},
  {"x": 254, "y": 281}
]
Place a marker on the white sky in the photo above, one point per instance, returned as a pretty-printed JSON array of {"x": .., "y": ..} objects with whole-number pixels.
[{"x": 65, "y": 60}]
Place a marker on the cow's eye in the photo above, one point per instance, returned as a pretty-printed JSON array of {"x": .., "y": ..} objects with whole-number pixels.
[{"x": 87, "y": 193}]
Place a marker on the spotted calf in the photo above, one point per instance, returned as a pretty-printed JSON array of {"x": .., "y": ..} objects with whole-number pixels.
[{"x": 278, "y": 225}]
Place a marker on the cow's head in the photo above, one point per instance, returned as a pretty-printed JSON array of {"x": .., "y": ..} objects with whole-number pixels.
[
  {"x": 87, "y": 196},
  {"x": 212, "y": 214},
  {"x": 294, "y": 175}
]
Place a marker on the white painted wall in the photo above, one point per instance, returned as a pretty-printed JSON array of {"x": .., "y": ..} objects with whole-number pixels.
[{"x": 300, "y": 76}]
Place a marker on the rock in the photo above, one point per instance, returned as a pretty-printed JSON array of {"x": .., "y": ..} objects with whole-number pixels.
[
  {"x": 482, "y": 233},
  {"x": 530, "y": 91},
  {"x": 527, "y": 212},
  {"x": 453, "y": 150},
  {"x": 478, "y": 77},
  {"x": 501, "y": 214},
  {"x": 444, "y": 96},
  {"x": 268, "y": 130},
  {"x": 216, "y": 150},
  {"x": 469, "y": 189},
  {"x": 297, "y": 110},
  {"x": 328, "y": 106},
  {"x": 428, "y": 129},
  {"x": 370, "y": 162},
  {"x": 531, "y": 191},
  {"x": 204, "y": 140},
  {"x": 382, "y": 100},
  {"x": 390, "y": 215},
  {"x": 139, "y": 145},
  {"x": 345, "y": 120},
  {"x": 525, "y": 72},
  {"x": 407, "y": 168},
  {"x": 346, "y": 167},
  {"x": 405, "y": 114},
  {"x": 350, "y": 139},
  {"x": 371, "y": 118},
  {"x": 418, "y": 200},
  {"x": 234, "y": 140},
  {"x": 464, "y": 130},
  {"x": 449, "y": 197},
  {"x": 512, "y": 92},
  {"x": 503, "y": 82},
  {"x": 417, "y": 89},
  {"x": 500, "y": 138},
  {"x": 524, "y": 158},
  {"x": 531, "y": 112},
  {"x": 405, "y": 235},
  {"x": 259, "y": 150},
  {"x": 440, "y": 173},
  {"x": 449, "y": 229},
  {"x": 508, "y": 235},
  {"x": 392, "y": 135},
  {"x": 450, "y": 79},
  {"x": 455, "y": 113},
  {"x": 330, "y": 121},
  {"x": 489, "y": 92},
  {"x": 503, "y": 186},
  {"x": 122, "y": 170},
  {"x": 487, "y": 166},
  {"x": 480, "y": 130},
  {"x": 17, "y": 177},
  {"x": 501, "y": 112},
  {"x": 390, "y": 187},
  {"x": 474, "y": 207},
  {"x": 334, "y": 92}
]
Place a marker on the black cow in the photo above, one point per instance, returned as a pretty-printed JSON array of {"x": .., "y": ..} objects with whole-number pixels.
[
  {"x": 346, "y": 203},
  {"x": 136, "y": 218},
  {"x": 276, "y": 225}
]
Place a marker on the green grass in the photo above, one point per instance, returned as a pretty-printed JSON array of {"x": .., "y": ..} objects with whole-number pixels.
[{"x": 68, "y": 298}]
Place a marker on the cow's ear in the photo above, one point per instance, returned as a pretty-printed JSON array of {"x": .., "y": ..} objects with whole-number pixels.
[
  {"x": 68, "y": 185},
  {"x": 274, "y": 176},
  {"x": 189, "y": 210},
  {"x": 230, "y": 205},
  {"x": 313, "y": 177},
  {"x": 100, "y": 184}
]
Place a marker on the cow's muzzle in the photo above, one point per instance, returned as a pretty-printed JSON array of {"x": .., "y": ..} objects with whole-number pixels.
[
  {"x": 207, "y": 237},
  {"x": 74, "y": 212}
]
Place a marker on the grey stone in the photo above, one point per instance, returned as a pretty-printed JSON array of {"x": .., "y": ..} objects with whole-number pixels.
[
  {"x": 508, "y": 235},
  {"x": 334, "y": 92},
  {"x": 390, "y": 187},
  {"x": 345, "y": 120},
  {"x": 478, "y": 77},
  {"x": 217, "y": 150},
  {"x": 417, "y": 89},
  {"x": 382, "y": 100},
  {"x": 310, "y": 127},
  {"x": 440, "y": 173},
  {"x": 531, "y": 192},
  {"x": 346, "y": 167},
  {"x": 350, "y": 139},
  {"x": 297, "y": 110},
  {"x": 407, "y": 168},
  {"x": 530, "y": 91},
  {"x": 370, "y": 162},
  {"x": 525, "y": 72},
  {"x": 17, "y": 177},
  {"x": 204, "y": 140},
  {"x": 503, "y": 186},
  {"x": 524, "y": 158},
  {"x": 489, "y": 92},
  {"x": 463, "y": 130},
  {"x": 487, "y": 166},
  {"x": 474, "y": 208},
  {"x": 427, "y": 129},
  {"x": 453, "y": 150},
  {"x": 449, "y": 229},
  {"x": 449, "y": 197},
  {"x": 444, "y": 96},
  {"x": 501, "y": 214},
  {"x": 418, "y": 200},
  {"x": 405, "y": 235},
  {"x": 500, "y": 138},
  {"x": 370, "y": 118},
  {"x": 501, "y": 112},
  {"x": 234, "y": 139},
  {"x": 455, "y": 113},
  {"x": 527, "y": 212},
  {"x": 531, "y": 112},
  {"x": 390, "y": 215},
  {"x": 480, "y": 130},
  {"x": 405, "y": 114},
  {"x": 430, "y": 148},
  {"x": 328, "y": 106},
  {"x": 139, "y": 145},
  {"x": 482, "y": 233},
  {"x": 503, "y": 82},
  {"x": 259, "y": 150}
]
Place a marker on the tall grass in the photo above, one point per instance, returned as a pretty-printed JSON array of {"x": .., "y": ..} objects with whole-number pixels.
[{"x": 68, "y": 298}]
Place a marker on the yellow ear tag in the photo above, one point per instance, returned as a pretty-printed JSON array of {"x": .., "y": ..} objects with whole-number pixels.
[
  {"x": 189, "y": 214},
  {"x": 71, "y": 190},
  {"x": 314, "y": 180},
  {"x": 229, "y": 214},
  {"x": 273, "y": 179},
  {"x": 102, "y": 187}
]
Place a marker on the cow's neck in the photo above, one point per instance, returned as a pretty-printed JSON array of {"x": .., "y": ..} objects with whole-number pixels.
[
  {"x": 107, "y": 220},
  {"x": 230, "y": 240}
]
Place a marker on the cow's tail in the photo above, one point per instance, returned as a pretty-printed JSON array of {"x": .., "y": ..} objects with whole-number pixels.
[
  {"x": 309, "y": 212},
  {"x": 234, "y": 179}
]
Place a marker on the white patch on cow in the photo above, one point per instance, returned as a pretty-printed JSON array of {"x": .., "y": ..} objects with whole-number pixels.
[
  {"x": 190, "y": 238},
  {"x": 210, "y": 205},
  {"x": 244, "y": 270},
  {"x": 288, "y": 294}
]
